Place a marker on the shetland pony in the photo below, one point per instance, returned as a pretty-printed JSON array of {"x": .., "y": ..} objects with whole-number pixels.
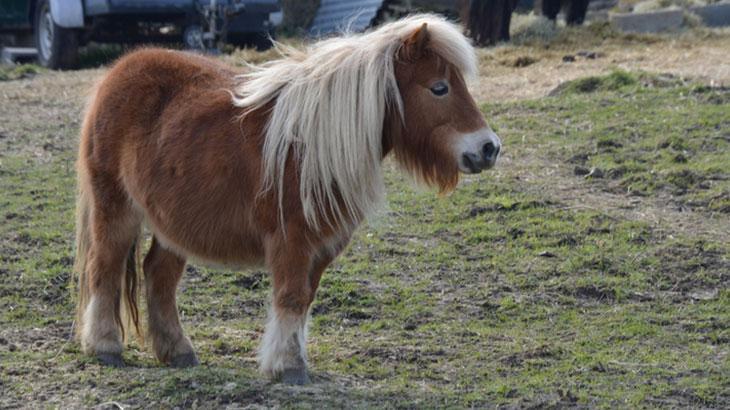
[{"x": 275, "y": 167}]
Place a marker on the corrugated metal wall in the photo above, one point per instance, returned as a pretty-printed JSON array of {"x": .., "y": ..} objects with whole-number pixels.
[{"x": 336, "y": 15}]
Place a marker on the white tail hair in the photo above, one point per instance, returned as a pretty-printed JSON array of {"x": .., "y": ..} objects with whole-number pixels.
[{"x": 330, "y": 105}]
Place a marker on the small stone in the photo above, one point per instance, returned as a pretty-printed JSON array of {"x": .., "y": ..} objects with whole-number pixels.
[
  {"x": 704, "y": 294},
  {"x": 595, "y": 173},
  {"x": 591, "y": 55},
  {"x": 477, "y": 210},
  {"x": 229, "y": 386},
  {"x": 547, "y": 254},
  {"x": 568, "y": 58},
  {"x": 599, "y": 367},
  {"x": 615, "y": 173},
  {"x": 680, "y": 158}
]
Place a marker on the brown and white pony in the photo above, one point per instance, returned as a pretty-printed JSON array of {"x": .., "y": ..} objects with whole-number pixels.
[{"x": 276, "y": 167}]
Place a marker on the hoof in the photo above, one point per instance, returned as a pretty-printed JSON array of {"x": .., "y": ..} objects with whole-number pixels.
[
  {"x": 184, "y": 360},
  {"x": 296, "y": 377},
  {"x": 110, "y": 359}
]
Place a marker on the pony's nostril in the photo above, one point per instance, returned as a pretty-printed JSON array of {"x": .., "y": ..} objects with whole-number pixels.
[
  {"x": 472, "y": 162},
  {"x": 490, "y": 150}
]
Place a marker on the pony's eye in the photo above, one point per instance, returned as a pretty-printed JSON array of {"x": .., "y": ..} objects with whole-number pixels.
[{"x": 440, "y": 88}]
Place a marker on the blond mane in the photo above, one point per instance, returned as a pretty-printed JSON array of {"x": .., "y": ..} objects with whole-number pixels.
[{"x": 330, "y": 105}]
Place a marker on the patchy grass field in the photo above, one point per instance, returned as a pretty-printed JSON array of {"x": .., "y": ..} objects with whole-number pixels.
[{"x": 591, "y": 269}]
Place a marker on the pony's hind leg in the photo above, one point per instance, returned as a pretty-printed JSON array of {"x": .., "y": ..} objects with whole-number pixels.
[
  {"x": 113, "y": 229},
  {"x": 163, "y": 270}
]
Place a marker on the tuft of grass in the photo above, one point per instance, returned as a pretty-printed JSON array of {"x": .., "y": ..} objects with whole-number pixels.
[
  {"x": 521, "y": 61},
  {"x": 538, "y": 31},
  {"x": 614, "y": 81},
  {"x": 16, "y": 72},
  {"x": 531, "y": 28}
]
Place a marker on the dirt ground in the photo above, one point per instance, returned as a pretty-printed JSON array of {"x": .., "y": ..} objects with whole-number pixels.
[{"x": 530, "y": 287}]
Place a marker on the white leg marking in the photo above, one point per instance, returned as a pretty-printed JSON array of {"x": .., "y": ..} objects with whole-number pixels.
[
  {"x": 284, "y": 343},
  {"x": 100, "y": 333}
]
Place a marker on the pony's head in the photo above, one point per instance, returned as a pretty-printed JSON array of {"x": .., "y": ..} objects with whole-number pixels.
[
  {"x": 441, "y": 131},
  {"x": 340, "y": 105}
]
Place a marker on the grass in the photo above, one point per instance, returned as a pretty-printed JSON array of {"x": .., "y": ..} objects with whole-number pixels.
[
  {"x": 651, "y": 134},
  {"x": 503, "y": 293},
  {"x": 538, "y": 31},
  {"x": 15, "y": 72}
]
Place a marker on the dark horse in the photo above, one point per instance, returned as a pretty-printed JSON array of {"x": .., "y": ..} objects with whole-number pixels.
[
  {"x": 488, "y": 21},
  {"x": 276, "y": 167},
  {"x": 575, "y": 11}
]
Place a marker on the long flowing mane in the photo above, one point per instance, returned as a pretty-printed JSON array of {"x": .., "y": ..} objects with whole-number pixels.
[{"x": 329, "y": 105}]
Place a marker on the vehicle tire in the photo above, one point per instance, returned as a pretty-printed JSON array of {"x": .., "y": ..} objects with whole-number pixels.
[{"x": 58, "y": 47}]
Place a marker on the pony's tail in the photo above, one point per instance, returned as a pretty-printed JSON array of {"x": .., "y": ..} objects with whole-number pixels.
[
  {"x": 130, "y": 288},
  {"x": 130, "y": 281},
  {"x": 83, "y": 240}
]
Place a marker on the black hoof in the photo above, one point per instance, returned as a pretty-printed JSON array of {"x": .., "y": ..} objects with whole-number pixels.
[
  {"x": 110, "y": 359},
  {"x": 184, "y": 360},
  {"x": 296, "y": 377}
]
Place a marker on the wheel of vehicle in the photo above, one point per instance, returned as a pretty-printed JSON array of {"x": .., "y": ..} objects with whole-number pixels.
[{"x": 58, "y": 47}]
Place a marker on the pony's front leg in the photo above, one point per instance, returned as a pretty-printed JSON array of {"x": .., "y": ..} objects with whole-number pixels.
[{"x": 283, "y": 353}]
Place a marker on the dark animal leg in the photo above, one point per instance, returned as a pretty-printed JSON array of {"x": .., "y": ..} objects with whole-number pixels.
[
  {"x": 163, "y": 270},
  {"x": 509, "y": 7},
  {"x": 296, "y": 271},
  {"x": 576, "y": 12},
  {"x": 550, "y": 9},
  {"x": 114, "y": 227}
]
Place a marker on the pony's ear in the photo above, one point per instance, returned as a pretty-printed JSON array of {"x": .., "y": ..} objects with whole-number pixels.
[{"x": 415, "y": 45}]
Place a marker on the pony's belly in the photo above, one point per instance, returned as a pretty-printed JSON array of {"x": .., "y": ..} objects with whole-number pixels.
[
  {"x": 228, "y": 249},
  {"x": 205, "y": 226}
]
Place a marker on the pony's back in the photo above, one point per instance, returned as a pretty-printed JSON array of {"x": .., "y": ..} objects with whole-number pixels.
[{"x": 138, "y": 88}]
